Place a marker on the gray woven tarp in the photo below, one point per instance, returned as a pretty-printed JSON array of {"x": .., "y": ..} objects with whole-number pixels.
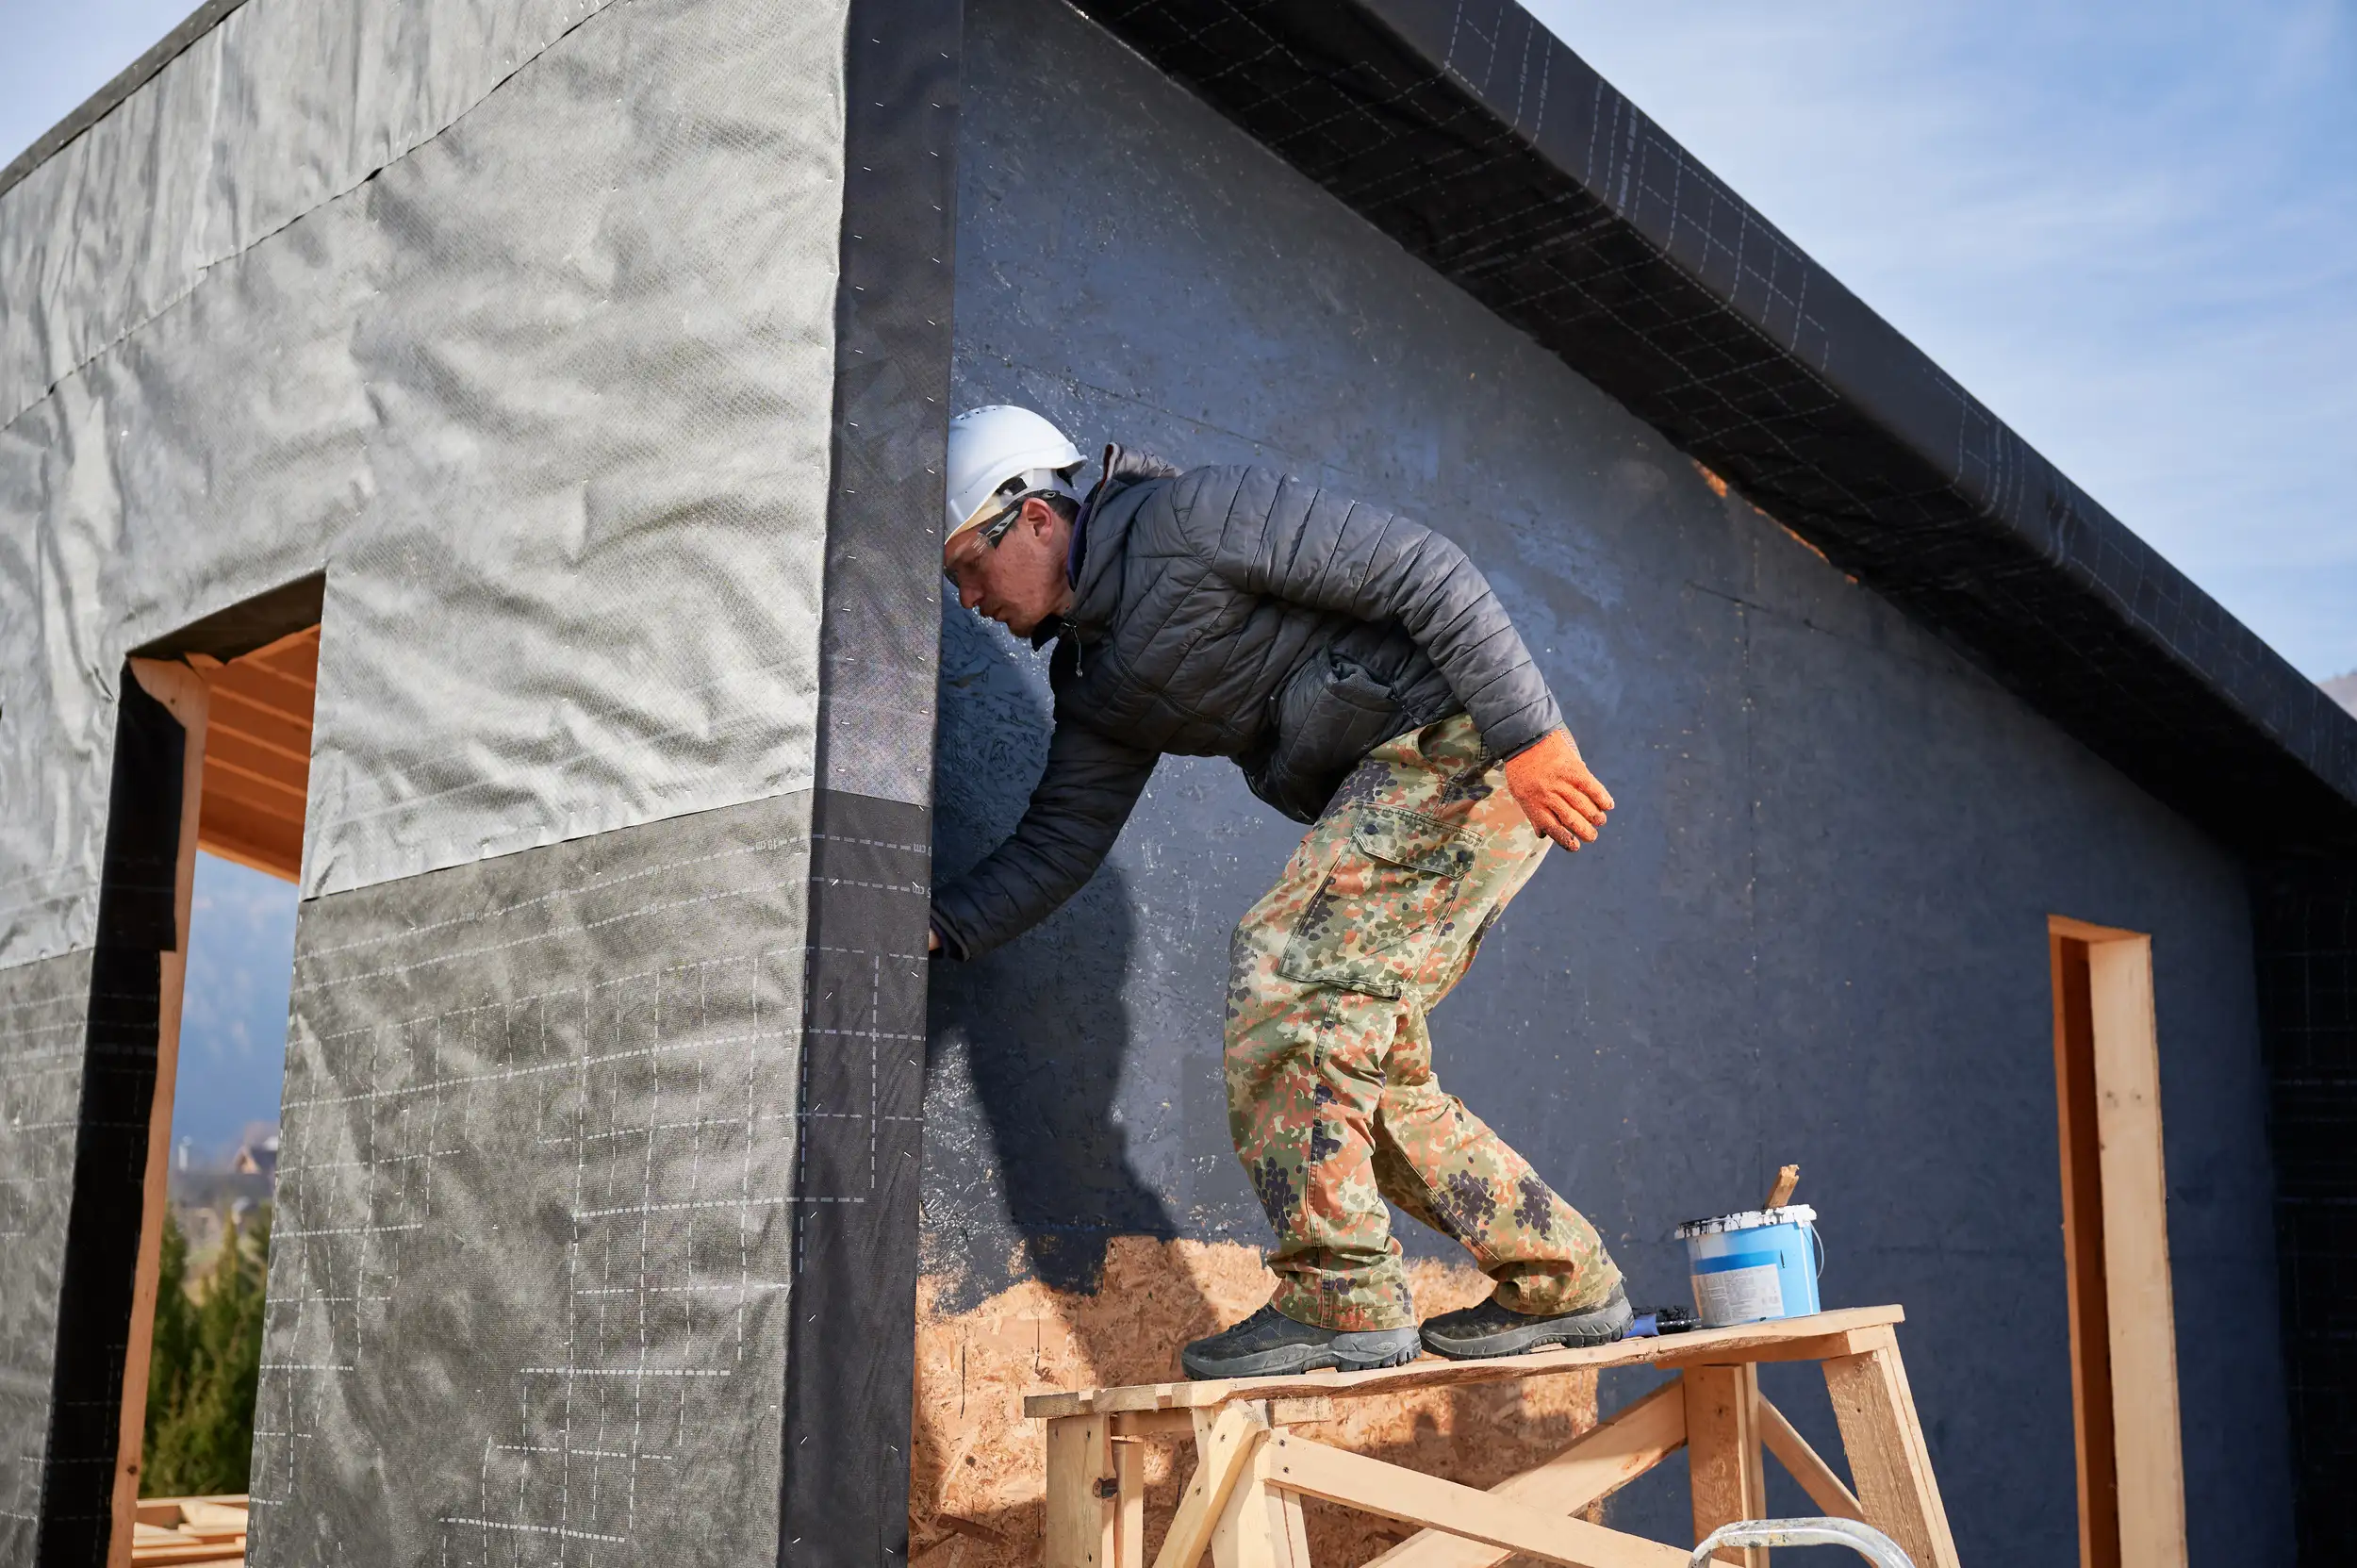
[
  {"x": 43, "y": 1019},
  {"x": 519, "y": 322},
  {"x": 531, "y": 1266},
  {"x": 523, "y": 331}
]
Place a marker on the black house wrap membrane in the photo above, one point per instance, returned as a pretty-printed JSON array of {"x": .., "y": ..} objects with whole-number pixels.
[
  {"x": 2307, "y": 941},
  {"x": 44, "y": 1019},
  {"x": 541, "y": 1151},
  {"x": 846, "y": 1477},
  {"x": 109, "y": 1122}
]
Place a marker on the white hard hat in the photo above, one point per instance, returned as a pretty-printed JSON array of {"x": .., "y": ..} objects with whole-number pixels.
[{"x": 998, "y": 455}]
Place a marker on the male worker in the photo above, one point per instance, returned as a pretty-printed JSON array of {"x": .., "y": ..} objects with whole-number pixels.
[{"x": 1362, "y": 674}]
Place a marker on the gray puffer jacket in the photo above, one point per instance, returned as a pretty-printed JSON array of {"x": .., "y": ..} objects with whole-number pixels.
[{"x": 1239, "y": 612}]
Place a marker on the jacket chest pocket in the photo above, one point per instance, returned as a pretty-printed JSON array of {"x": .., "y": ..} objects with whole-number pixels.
[{"x": 1388, "y": 899}]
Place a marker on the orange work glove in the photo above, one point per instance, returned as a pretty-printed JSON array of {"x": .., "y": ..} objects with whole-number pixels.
[{"x": 1556, "y": 791}]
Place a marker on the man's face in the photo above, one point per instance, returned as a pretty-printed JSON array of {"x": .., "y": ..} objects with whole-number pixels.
[{"x": 1020, "y": 581}]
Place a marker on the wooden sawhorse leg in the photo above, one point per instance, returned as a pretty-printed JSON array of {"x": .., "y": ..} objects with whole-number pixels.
[
  {"x": 1727, "y": 1424},
  {"x": 1723, "y": 1453},
  {"x": 1083, "y": 1493},
  {"x": 1259, "y": 1527},
  {"x": 1097, "y": 1480},
  {"x": 1888, "y": 1459}
]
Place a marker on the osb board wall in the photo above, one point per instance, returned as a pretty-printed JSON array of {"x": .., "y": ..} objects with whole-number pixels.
[{"x": 977, "y": 1476}]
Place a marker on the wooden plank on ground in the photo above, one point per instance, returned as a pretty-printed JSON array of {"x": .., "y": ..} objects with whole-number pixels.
[
  {"x": 1810, "y": 1338},
  {"x": 195, "y": 1551},
  {"x": 1609, "y": 1457},
  {"x": 1413, "y": 1497},
  {"x": 222, "y": 1513}
]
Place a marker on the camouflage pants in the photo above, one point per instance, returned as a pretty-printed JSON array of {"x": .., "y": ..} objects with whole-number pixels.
[{"x": 1330, "y": 1095}]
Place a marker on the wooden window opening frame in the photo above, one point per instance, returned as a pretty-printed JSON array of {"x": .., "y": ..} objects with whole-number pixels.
[
  {"x": 182, "y": 692},
  {"x": 246, "y": 776},
  {"x": 2115, "y": 1207}
]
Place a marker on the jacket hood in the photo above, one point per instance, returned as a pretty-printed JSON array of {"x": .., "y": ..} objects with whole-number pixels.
[{"x": 1098, "y": 535}]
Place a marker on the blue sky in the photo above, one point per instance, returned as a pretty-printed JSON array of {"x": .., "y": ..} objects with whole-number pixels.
[{"x": 233, "y": 1020}]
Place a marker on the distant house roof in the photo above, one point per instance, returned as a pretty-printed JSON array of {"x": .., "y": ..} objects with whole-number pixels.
[{"x": 1483, "y": 145}]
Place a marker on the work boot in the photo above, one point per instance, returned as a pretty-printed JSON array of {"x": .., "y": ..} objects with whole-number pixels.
[
  {"x": 1269, "y": 1344},
  {"x": 1471, "y": 1333}
]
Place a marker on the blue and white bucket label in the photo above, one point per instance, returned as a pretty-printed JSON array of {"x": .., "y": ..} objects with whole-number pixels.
[
  {"x": 1741, "y": 1287},
  {"x": 1760, "y": 1264}
]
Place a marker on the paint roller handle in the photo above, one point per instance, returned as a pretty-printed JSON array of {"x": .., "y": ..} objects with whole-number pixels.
[{"x": 1781, "y": 1194}]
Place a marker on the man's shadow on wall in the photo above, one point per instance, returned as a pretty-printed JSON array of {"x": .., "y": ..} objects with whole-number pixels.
[{"x": 1042, "y": 1020}]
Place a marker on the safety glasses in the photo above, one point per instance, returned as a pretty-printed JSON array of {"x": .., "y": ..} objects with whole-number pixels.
[{"x": 997, "y": 527}]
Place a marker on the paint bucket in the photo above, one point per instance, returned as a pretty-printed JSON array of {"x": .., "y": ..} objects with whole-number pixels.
[{"x": 1755, "y": 1266}]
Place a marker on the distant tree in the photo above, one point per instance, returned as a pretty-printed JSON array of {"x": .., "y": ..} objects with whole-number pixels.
[
  {"x": 173, "y": 1346},
  {"x": 206, "y": 1359}
]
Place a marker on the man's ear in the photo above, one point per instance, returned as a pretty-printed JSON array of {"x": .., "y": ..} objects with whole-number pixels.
[{"x": 1039, "y": 516}]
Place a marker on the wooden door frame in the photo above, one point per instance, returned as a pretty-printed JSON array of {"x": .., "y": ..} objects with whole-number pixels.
[
  {"x": 185, "y": 691},
  {"x": 2123, "y": 1337},
  {"x": 182, "y": 691}
]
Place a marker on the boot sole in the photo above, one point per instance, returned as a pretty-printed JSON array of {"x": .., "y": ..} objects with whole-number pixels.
[
  {"x": 1605, "y": 1326},
  {"x": 1288, "y": 1360}
]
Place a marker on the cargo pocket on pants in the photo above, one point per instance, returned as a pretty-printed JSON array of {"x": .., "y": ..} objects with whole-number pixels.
[{"x": 1389, "y": 897}]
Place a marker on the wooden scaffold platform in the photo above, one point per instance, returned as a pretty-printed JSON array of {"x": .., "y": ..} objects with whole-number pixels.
[{"x": 1252, "y": 1471}]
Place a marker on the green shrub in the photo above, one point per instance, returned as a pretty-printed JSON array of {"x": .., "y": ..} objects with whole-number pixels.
[{"x": 206, "y": 1358}]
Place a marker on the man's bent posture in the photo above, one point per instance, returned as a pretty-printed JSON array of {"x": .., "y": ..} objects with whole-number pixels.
[{"x": 1368, "y": 683}]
